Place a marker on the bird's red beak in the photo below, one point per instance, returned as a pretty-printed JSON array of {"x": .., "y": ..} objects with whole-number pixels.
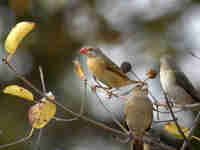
[{"x": 83, "y": 51}]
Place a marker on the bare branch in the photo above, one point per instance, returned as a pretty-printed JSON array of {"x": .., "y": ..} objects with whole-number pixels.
[
  {"x": 112, "y": 115},
  {"x": 98, "y": 124},
  {"x": 194, "y": 55},
  {"x": 175, "y": 121},
  {"x": 194, "y": 125},
  {"x": 156, "y": 144},
  {"x": 42, "y": 79}
]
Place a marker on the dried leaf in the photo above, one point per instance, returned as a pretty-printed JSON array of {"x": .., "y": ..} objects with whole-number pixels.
[
  {"x": 40, "y": 114},
  {"x": 172, "y": 129},
  {"x": 78, "y": 69},
  {"x": 19, "y": 91},
  {"x": 151, "y": 74},
  {"x": 17, "y": 34}
]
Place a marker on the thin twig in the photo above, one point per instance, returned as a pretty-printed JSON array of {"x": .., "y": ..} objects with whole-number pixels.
[
  {"x": 193, "y": 107},
  {"x": 167, "y": 112},
  {"x": 84, "y": 98},
  {"x": 138, "y": 78},
  {"x": 64, "y": 119},
  {"x": 98, "y": 124},
  {"x": 112, "y": 115},
  {"x": 24, "y": 139},
  {"x": 147, "y": 139},
  {"x": 42, "y": 79},
  {"x": 106, "y": 89},
  {"x": 38, "y": 140},
  {"x": 175, "y": 121},
  {"x": 154, "y": 143},
  {"x": 194, "y": 55},
  {"x": 12, "y": 68},
  {"x": 194, "y": 125},
  {"x": 162, "y": 121}
]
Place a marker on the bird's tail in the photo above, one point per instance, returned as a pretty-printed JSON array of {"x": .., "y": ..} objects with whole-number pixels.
[{"x": 137, "y": 144}]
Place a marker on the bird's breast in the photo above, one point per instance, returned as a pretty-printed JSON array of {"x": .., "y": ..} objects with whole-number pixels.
[
  {"x": 167, "y": 79},
  {"x": 96, "y": 66},
  {"x": 101, "y": 71},
  {"x": 139, "y": 113}
]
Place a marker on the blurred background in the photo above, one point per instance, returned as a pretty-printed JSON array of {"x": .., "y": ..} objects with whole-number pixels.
[{"x": 127, "y": 30}]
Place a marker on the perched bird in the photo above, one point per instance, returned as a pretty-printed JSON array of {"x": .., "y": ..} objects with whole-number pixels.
[
  {"x": 174, "y": 82},
  {"x": 138, "y": 112},
  {"x": 104, "y": 69}
]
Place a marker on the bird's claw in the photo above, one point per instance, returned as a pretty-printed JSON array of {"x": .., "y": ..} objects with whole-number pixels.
[
  {"x": 126, "y": 140},
  {"x": 109, "y": 94}
]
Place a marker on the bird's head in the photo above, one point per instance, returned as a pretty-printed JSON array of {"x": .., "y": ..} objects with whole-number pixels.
[
  {"x": 166, "y": 58},
  {"x": 91, "y": 52},
  {"x": 167, "y": 61},
  {"x": 140, "y": 90}
]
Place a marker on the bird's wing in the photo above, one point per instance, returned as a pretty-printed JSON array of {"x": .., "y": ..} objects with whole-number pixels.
[
  {"x": 111, "y": 66},
  {"x": 185, "y": 83}
]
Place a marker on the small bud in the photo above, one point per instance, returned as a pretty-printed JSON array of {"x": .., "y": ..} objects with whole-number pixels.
[
  {"x": 126, "y": 67},
  {"x": 151, "y": 74}
]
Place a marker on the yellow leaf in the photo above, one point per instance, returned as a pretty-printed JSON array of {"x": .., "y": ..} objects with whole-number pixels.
[
  {"x": 18, "y": 91},
  {"x": 78, "y": 69},
  {"x": 172, "y": 129},
  {"x": 40, "y": 114},
  {"x": 17, "y": 34}
]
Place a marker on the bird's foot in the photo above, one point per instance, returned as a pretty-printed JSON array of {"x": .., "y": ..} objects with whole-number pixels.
[
  {"x": 121, "y": 140},
  {"x": 124, "y": 140},
  {"x": 109, "y": 94},
  {"x": 108, "y": 91},
  {"x": 95, "y": 86}
]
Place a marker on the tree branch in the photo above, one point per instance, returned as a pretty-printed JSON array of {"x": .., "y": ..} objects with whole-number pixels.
[
  {"x": 194, "y": 125},
  {"x": 175, "y": 121},
  {"x": 147, "y": 139}
]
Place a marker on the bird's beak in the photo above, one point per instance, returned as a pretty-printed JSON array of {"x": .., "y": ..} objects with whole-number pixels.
[{"x": 83, "y": 51}]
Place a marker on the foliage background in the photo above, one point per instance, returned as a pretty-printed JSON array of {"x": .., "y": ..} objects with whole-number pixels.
[{"x": 135, "y": 31}]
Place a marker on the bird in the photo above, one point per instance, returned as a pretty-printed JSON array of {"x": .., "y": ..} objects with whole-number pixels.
[
  {"x": 104, "y": 70},
  {"x": 175, "y": 83},
  {"x": 138, "y": 114}
]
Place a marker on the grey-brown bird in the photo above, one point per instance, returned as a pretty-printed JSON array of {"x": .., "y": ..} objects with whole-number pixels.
[
  {"x": 104, "y": 69},
  {"x": 175, "y": 83},
  {"x": 138, "y": 111}
]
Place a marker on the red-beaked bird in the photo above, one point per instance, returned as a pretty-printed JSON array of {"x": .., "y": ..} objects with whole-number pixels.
[{"x": 104, "y": 69}]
